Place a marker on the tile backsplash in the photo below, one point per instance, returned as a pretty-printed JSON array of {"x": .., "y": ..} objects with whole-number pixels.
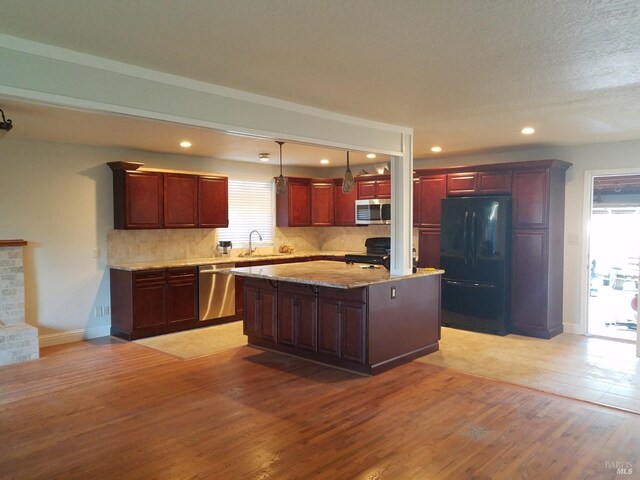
[{"x": 128, "y": 246}]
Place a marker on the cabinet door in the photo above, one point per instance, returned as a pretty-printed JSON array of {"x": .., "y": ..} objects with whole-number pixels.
[
  {"x": 353, "y": 331},
  {"x": 251, "y": 324},
  {"x": 433, "y": 188},
  {"x": 287, "y": 316},
  {"x": 383, "y": 189},
  {"x": 429, "y": 248},
  {"x": 181, "y": 299},
  {"x": 268, "y": 313},
  {"x": 460, "y": 184},
  {"x": 143, "y": 199},
  {"x": 329, "y": 326},
  {"x": 530, "y": 198},
  {"x": 180, "y": 200},
  {"x": 213, "y": 202},
  {"x": 239, "y": 298},
  {"x": 366, "y": 190},
  {"x": 416, "y": 202},
  {"x": 345, "y": 205},
  {"x": 529, "y": 280},
  {"x": 306, "y": 322},
  {"x": 299, "y": 204},
  {"x": 491, "y": 183},
  {"x": 149, "y": 299},
  {"x": 322, "y": 196}
]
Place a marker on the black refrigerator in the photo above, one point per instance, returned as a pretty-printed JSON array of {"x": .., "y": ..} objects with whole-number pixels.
[{"x": 475, "y": 253}]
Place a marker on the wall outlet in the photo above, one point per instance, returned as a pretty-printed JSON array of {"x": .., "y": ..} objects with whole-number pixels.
[
  {"x": 102, "y": 311},
  {"x": 393, "y": 292},
  {"x": 106, "y": 311},
  {"x": 97, "y": 312},
  {"x": 96, "y": 252}
]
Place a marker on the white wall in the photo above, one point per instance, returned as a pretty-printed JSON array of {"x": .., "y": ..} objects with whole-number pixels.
[
  {"x": 618, "y": 155},
  {"x": 59, "y": 198}
]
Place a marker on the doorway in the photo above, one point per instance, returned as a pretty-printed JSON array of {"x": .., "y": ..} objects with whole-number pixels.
[{"x": 614, "y": 251}]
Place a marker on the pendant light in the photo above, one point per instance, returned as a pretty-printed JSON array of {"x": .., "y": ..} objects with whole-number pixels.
[
  {"x": 281, "y": 182},
  {"x": 5, "y": 125},
  {"x": 347, "y": 182}
]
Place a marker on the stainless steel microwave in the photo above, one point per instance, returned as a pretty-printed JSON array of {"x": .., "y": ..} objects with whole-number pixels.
[{"x": 373, "y": 212}]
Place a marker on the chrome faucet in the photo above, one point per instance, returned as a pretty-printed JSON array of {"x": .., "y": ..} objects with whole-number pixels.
[{"x": 251, "y": 249}]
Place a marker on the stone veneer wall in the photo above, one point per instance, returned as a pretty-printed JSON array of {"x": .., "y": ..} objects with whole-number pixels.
[{"x": 18, "y": 341}]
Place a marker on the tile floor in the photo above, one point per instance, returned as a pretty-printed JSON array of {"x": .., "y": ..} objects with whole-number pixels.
[{"x": 577, "y": 366}]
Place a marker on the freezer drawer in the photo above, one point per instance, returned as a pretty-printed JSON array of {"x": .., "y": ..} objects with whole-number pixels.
[{"x": 474, "y": 306}]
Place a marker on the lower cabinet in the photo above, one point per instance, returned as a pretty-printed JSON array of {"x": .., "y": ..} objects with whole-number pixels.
[
  {"x": 151, "y": 302},
  {"x": 324, "y": 322},
  {"x": 429, "y": 248}
]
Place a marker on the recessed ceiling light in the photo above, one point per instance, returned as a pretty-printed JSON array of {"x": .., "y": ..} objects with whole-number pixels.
[
  {"x": 185, "y": 144},
  {"x": 324, "y": 161},
  {"x": 527, "y": 131},
  {"x": 263, "y": 157},
  {"x": 436, "y": 149},
  {"x": 371, "y": 155}
]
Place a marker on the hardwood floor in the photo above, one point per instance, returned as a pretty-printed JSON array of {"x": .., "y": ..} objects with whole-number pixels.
[{"x": 108, "y": 409}]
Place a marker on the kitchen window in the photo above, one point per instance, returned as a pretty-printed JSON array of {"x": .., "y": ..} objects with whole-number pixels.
[{"x": 250, "y": 208}]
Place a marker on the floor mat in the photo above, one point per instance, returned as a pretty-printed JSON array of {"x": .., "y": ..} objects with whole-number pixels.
[{"x": 198, "y": 342}]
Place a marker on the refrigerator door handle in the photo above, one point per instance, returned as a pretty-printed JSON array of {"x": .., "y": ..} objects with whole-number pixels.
[
  {"x": 469, "y": 284},
  {"x": 465, "y": 241},
  {"x": 473, "y": 238}
]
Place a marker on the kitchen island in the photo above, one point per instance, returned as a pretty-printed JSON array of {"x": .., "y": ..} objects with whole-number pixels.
[{"x": 346, "y": 316}]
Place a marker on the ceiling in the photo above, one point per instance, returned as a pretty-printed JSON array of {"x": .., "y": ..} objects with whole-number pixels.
[{"x": 466, "y": 75}]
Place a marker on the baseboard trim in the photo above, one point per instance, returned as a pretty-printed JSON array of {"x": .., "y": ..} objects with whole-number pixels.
[
  {"x": 51, "y": 339},
  {"x": 571, "y": 328}
]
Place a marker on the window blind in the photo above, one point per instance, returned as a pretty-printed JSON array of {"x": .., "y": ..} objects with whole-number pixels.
[{"x": 250, "y": 208}]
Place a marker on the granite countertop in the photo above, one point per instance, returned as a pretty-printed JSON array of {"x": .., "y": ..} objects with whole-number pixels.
[
  {"x": 327, "y": 274},
  {"x": 194, "y": 262}
]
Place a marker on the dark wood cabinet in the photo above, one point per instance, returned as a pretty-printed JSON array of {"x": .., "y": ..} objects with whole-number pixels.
[
  {"x": 260, "y": 308},
  {"x": 373, "y": 186},
  {"x": 429, "y": 248},
  {"x": 155, "y": 199},
  {"x": 342, "y": 323},
  {"x": 180, "y": 200},
  {"x": 213, "y": 202},
  {"x": 322, "y": 202},
  {"x": 181, "y": 296},
  {"x": 530, "y": 198},
  {"x": 461, "y": 184},
  {"x": 416, "y": 202},
  {"x": 529, "y": 300},
  {"x": 138, "y": 199},
  {"x": 293, "y": 208},
  {"x": 492, "y": 182},
  {"x": 298, "y": 316},
  {"x": 152, "y": 302},
  {"x": 432, "y": 189},
  {"x": 344, "y": 205}
]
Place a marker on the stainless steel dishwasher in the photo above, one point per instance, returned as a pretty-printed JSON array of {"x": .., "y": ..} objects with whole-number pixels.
[{"x": 217, "y": 291}]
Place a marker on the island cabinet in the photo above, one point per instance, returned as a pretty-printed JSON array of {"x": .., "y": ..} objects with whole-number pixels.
[
  {"x": 155, "y": 199},
  {"x": 260, "y": 309},
  {"x": 344, "y": 205},
  {"x": 322, "y": 202},
  {"x": 366, "y": 329},
  {"x": 152, "y": 302},
  {"x": 293, "y": 208}
]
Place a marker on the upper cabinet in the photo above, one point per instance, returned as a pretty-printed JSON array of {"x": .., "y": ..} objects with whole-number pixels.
[
  {"x": 344, "y": 205},
  {"x": 322, "y": 202},
  {"x": 493, "y": 182},
  {"x": 180, "y": 200},
  {"x": 293, "y": 208},
  {"x": 373, "y": 186},
  {"x": 156, "y": 199},
  {"x": 213, "y": 205},
  {"x": 431, "y": 189}
]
